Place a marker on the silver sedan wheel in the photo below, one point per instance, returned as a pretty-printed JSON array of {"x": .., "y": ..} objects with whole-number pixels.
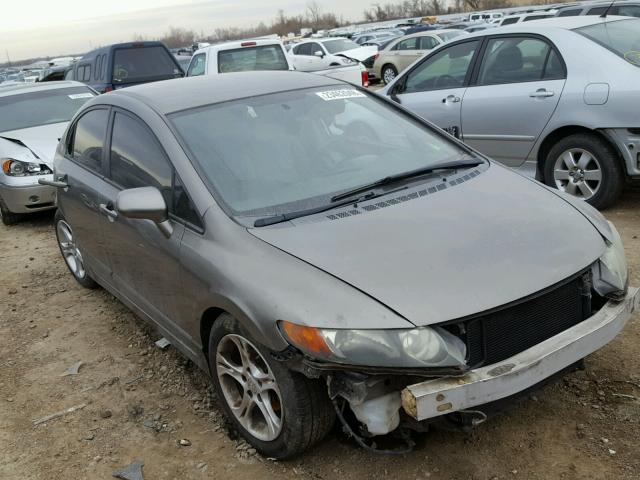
[
  {"x": 70, "y": 250},
  {"x": 388, "y": 75},
  {"x": 578, "y": 173},
  {"x": 249, "y": 387}
]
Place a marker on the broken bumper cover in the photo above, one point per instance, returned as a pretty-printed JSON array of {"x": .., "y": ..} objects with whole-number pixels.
[{"x": 493, "y": 382}]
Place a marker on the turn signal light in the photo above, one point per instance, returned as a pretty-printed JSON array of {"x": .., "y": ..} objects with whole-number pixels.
[{"x": 308, "y": 339}]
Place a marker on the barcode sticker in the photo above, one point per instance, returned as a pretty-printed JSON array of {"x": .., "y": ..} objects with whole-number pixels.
[{"x": 339, "y": 94}]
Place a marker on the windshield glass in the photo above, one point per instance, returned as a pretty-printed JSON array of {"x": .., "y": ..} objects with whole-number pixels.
[
  {"x": 142, "y": 64},
  {"x": 290, "y": 151},
  {"x": 339, "y": 45},
  {"x": 264, "y": 57},
  {"x": 622, "y": 37},
  {"x": 26, "y": 110}
]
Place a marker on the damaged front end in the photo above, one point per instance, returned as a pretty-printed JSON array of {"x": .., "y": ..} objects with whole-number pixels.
[{"x": 398, "y": 380}]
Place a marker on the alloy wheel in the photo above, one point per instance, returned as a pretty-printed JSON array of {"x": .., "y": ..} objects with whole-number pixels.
[
  {"x": 388, "y": 75},
  {"x": 578, "y": 172},
  {"x": 249, "y": 387},
  {"x": 70, "y": 250}
]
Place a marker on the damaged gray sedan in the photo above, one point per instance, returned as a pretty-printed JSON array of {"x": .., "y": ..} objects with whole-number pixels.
[{"x": 322, "y": 252}]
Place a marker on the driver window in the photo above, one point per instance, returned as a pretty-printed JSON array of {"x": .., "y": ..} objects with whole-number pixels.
[
  {"x": 313, "y": 48},
  {"x": 446, "y": 69},
  {"x": 196, "y": 67}
]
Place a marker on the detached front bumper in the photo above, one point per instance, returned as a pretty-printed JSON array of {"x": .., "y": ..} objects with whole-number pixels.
[
  {"x": 493, "y": 382},
  {"x": 26, "y": 195}
]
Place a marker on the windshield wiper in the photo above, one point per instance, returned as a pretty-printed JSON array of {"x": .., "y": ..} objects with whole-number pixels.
[
  {"x": 453, "y": 165},
  {"x": 285, "y": 217}
]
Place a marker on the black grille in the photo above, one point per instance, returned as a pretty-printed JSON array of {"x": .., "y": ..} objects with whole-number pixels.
[{"x": 500, "y": 334}]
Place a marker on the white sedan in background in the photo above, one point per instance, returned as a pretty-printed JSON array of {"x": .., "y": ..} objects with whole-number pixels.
[
  {"x": 320, "y": 53},
  {"x": 32, "y": 119}
]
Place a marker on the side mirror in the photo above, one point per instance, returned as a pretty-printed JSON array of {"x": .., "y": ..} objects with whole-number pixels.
[
  {"x": 318, "y": 53},
  {"x": 145, "y": 203}
]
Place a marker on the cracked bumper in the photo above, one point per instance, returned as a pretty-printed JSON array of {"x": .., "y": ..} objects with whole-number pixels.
[{"x": 493, "y": 382}]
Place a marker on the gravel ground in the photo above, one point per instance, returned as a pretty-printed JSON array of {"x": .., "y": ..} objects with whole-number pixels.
[{"x": 137, "y": 402}]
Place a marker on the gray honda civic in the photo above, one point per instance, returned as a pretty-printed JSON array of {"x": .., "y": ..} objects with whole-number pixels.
[{"x": 328, "y": 256}]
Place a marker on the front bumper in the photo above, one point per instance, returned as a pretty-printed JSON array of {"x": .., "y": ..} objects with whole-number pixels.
[
  {"x": 28, "y": 196},
  {"x": 493, "y": 382}
]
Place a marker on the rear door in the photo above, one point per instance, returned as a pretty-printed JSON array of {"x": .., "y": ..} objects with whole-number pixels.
[
  {"x": 145, "y": 265},
  {"x": 518, "y": 85},
  {"x": 434, "y": 88},
  {"x": 83, "y": 164}
]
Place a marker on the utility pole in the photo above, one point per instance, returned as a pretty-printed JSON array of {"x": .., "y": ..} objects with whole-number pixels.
[{"x": 8, "y": 59}]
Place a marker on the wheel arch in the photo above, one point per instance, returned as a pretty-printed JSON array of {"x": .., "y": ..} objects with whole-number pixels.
[
  {"x": 556, "y": 135},
  {"x": 207, "y": 320}
]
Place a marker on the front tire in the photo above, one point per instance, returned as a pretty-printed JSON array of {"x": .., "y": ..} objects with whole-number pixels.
[
  {"x": 388, "y": 73},
  {"x": 7, "y": 216},
  {"x": 279, "y": 412},
  {"x": 586, "y": 166},
  {"x": 71, "y": 252}
]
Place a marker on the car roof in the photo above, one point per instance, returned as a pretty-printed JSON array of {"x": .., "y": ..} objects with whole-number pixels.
[
  {"x": 184, "y": 93},
  {"x": 550, "y": 24},
  {"x": 105, "y": 49},
  {"x": 37, "y": 87}
]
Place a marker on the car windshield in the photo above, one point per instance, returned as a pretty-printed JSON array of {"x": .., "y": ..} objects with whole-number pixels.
[
  {"x": 285, "y": 152},
  {"x": 26, "y": 110},
  {"x": 245, "y": 59},
  {"x": 622, "y": 37},
  {"x": 143, "y": 64},
  {"x": 339, "y": 45}
]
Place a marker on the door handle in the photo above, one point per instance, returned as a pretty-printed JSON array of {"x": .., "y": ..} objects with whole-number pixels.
[
  {"x": 108, "y": 210},
  {"x": 541, "y": 93},
  {"x": 451, "y": 99}
]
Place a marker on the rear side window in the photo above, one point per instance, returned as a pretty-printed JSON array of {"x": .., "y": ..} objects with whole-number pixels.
[
  {"x": 597, "y": 11},
  {"x": 517, "y": 59},
  {"x": 627, "y": 10},
  {"x": 137, "y": 160},
  {"x": 143, "y": 64},
  {"x": 245, "y": 59},
  {"x": 88, "y": 139},
  {"x": 197, "y": 65},
  {"x": 509, "y": 21},
  {"x": 96, "y": 74}
]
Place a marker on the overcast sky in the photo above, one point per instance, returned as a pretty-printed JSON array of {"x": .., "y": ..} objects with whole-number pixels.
[{"x": 30, "y": 28}]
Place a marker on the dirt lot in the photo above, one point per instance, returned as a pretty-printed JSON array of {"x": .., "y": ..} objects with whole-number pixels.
[{"x": 140, "y": 401}]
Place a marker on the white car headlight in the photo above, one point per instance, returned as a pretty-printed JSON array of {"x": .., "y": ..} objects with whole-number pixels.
[
  {"x": 610, "y": 273},
  {"x": 18, "y": 168},
  {"x": 410, "y": 348}
]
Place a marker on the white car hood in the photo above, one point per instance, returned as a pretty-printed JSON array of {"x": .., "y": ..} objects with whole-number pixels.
[
  {"x": 40, "y": 142},
  {"x": 360, "y": 54}
]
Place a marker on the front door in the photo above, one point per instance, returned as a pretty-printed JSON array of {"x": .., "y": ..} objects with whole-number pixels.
[
  {"x": 145, "y": 264},
  {"x": 435, "y": 87},
  {"x": 519, "y": 83}
]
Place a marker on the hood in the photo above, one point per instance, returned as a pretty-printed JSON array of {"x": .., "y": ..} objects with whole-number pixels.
[
  {"x": 41, "y": 141},
  {"x": 473, "y": 246},
  {"x": 360, "y": 54}
]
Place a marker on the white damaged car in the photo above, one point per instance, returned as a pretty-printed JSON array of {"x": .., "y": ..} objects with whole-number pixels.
[{"x": 32, "y": 119}]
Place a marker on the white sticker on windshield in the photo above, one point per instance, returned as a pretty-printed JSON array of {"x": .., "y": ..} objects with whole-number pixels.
[
  {"x": 75, "y": 96},
  {"x": 339, "y": 94}
]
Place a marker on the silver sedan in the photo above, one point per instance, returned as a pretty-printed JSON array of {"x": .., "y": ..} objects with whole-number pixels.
[{"x": 554, "y": 98}]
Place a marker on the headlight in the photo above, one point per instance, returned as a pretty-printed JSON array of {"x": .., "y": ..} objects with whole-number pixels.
[
  {"x": 17, "y": 168},
  {"x": 411, "y": 348},
  {"x": 610, "y": 273}
]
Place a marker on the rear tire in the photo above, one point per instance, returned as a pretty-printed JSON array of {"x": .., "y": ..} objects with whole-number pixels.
[
  {"x": 388, "y": 74},
  {"x": 301, "y": 405},
  {"x": 71, "y": 252},
  {"x": 587, "y": 166},
  {"x": 7, "y": 216}
]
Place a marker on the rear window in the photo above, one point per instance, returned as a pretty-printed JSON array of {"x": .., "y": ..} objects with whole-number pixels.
[
  {"x": 622, "y": 37},
  {"x": 26, "y": 110},
  {"x": 246, "y": 59},
  {"x": 143, "y": 64}
]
